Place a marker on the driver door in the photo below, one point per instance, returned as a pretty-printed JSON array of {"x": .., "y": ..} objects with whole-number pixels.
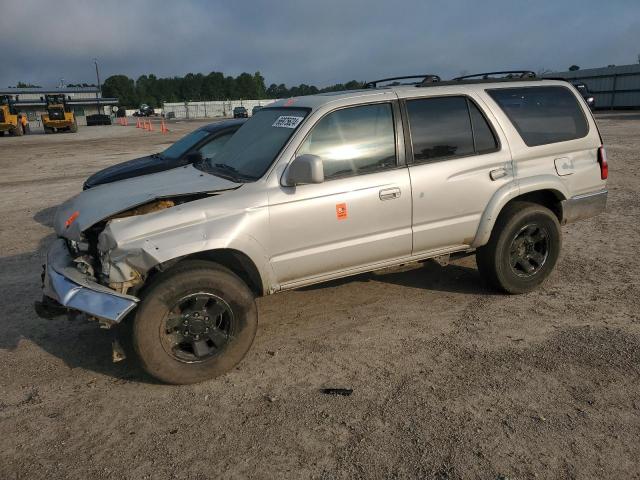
[{"x": 360, "y": 215}]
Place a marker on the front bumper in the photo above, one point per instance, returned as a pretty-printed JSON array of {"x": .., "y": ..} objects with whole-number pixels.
[
  {"x": 584, "y": 206},
  {"x": 72, "y": 289}
]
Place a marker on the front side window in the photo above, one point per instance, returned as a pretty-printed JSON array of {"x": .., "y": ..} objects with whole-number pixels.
[
  {"x": 542, "y": 115},
  {"x": 185, "y": 144},
  {"x": 354, "y": 141}
]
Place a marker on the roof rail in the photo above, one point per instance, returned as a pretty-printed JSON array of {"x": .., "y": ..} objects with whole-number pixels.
[
  {"x": 506, "y": 75},
  {"x": 426, "y": 78}
]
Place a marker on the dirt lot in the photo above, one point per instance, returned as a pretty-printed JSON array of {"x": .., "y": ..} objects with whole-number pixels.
[{"x": 450, "y": 379}]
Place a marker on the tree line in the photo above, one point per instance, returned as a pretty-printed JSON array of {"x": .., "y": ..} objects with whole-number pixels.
[{"x": 195, "y": 87}]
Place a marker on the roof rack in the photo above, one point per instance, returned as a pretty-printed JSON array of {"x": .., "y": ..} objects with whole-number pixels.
[
  {"x": 506, "y": 75},
  {"x": 426, "y": 78}
]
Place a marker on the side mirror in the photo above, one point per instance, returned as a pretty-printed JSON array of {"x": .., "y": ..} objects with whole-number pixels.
[
  {"x": 304, "y": 169},
  {"x": 193, "y": 157}
]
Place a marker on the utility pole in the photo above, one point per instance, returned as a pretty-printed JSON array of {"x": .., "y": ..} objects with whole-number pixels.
[{"x": 99, "y": 92}]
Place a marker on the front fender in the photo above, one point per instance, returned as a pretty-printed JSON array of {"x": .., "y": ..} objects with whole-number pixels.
[
  {"x": 510, "y": 191},
  {"x": 145, "y": 242}
]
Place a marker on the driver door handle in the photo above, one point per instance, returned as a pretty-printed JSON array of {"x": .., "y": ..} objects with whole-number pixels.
[{"x": 389, "y": 193}]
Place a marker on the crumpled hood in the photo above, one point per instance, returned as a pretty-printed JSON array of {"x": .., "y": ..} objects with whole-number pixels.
[{"x": 103, "y": 201}]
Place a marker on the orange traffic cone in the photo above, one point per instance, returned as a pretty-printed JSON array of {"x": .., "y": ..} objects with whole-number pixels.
[
  {"x": 144, "y": 125},
  {"x": 138, "y": 125},
  {"x": 150, "y": 126},
  {"x": 126, "y": 122},
  {"x": 163, "y": 127}
]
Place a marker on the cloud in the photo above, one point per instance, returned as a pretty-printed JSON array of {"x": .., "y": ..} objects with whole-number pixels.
[{"x": 293, "y": 41}]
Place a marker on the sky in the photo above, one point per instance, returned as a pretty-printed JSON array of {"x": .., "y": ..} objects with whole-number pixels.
[{"x": 318, "y": 42}]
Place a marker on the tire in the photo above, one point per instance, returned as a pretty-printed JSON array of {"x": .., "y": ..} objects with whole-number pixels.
[
  {"x": 523, "y": 248},
  {"x": 48, "y": 130},
  {"x": 175, "y": 358},
  {"x": 74, "y": 126},
  {"x": 1, "y": 133}
]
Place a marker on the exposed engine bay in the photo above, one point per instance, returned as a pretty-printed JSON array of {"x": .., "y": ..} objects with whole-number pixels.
[{"x": 91, "y": 261}]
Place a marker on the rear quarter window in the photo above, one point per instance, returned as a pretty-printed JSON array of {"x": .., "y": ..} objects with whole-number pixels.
[{"x": 542, "y": 115}]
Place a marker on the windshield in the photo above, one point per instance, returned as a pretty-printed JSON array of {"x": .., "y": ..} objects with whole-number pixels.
[
  {"x": 184, "y": 144},
  {"x": 249, "y": 153}
]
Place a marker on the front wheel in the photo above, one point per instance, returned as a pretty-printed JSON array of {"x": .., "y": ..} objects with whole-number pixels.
[
  {"x": 523, "y": 249},
  {"x": 196, "y": 322}
]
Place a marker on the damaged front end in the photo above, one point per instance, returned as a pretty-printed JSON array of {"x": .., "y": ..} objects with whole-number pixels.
[
  {"x": 67, "y": 287},
  {"x": 92, "y": 276},
  {"x": 87, "y": 271}
]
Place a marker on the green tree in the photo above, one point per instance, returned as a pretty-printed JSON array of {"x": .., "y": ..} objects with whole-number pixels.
[
  {"x": 26, "y": 85},
  {"x": 122, "y": 88},
  {"x": 260, "y": 86},
  {"x": 198, "y": 87}
]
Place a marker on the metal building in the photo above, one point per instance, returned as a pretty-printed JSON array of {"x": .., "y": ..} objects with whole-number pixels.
[
  {"x": 612, "y": 87},
  {"x": 84, "y": 101}
]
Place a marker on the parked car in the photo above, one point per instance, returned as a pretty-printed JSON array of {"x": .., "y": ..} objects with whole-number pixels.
[
  {"x": 255, "y": 109},
  {"x": 321, "y": 187},
  {"x": 240, "y": 112},
  {"x": 201, "y": 143},
  {"x": 586, "y": 94},
  {"x": 144, "y": 111}
]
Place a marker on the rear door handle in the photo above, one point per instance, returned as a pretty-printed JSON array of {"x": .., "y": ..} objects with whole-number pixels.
[
  {"x": 498, "y": 173},
  {"x": 389, "y": 193}
]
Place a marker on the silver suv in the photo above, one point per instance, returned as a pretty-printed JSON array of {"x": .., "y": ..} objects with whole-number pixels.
[{"x": 326, "y": 186}]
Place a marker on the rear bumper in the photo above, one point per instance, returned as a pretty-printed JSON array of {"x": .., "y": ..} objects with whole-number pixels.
[
  {"x": 65, "y": 284},
  {"x": 584, "y": 206}
]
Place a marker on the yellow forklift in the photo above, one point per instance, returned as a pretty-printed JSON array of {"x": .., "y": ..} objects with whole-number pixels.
[
  {"x": 59, "y": 116},
  {"x": 10, "y": 120}
]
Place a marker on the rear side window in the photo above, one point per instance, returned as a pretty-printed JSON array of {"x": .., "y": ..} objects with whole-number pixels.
[
  {"x": 483, "y": 138},
  {"x": 542, "y": 115},
  {"x": 447, "y": 127}
]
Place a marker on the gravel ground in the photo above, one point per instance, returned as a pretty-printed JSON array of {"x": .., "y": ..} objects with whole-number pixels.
[{"x": 450, "y": 380}]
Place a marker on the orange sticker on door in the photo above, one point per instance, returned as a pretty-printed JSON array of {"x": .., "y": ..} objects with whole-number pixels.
[{"x": 341, "y": 211}]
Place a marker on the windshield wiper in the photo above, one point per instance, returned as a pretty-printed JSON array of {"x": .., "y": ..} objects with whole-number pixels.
[
  {"x": 232, "y": 170},
  {"x": 221, "y": 170},
  {"x": 224, "y": 166}
]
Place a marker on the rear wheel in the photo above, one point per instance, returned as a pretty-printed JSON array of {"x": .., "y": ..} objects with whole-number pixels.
[
  {"x": 48, "y": 130},
  {"x": 74, "y": 126},
  {"x": 523, "y": 249},
  {"x": 196, "y": 322}
]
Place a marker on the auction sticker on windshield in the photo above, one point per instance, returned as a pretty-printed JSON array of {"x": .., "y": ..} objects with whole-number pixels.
[{"x": 287, "y": 121}]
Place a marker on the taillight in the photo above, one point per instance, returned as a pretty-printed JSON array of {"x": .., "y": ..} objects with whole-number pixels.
[{"x": 602, "y": 160}]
